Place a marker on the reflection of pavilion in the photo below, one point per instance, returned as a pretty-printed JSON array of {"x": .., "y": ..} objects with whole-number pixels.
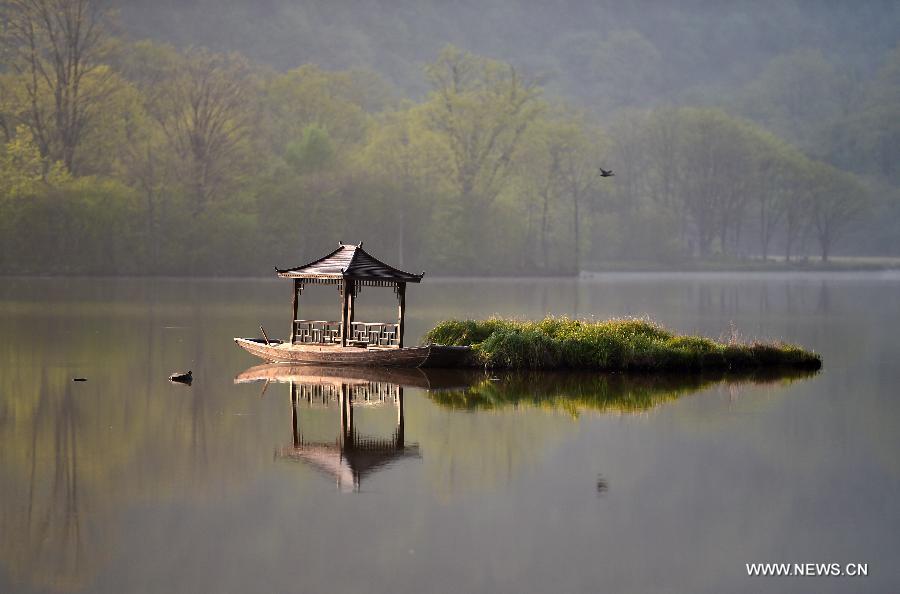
[{"x": 351, "y": 456}]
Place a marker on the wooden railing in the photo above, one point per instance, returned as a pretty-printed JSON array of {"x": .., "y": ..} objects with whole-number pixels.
[
  {"x": 375, "y": 333},
  {"x": 361, "y": 333},
  {"x": 317, "y": 332}
]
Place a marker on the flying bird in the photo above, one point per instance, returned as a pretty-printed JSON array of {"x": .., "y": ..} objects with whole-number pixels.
[{"x": 606, "y": 172}]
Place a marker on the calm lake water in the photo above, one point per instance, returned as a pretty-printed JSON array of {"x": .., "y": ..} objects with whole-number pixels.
[{"x": 129, "y": 483}]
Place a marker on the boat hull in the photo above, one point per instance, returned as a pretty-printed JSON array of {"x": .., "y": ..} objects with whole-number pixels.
[{"x": 418, "y": 356}]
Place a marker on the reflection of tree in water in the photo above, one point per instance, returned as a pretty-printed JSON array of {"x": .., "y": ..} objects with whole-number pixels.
[
  {"x": 51, "y": 541},
  {"x": 469, "y": 452},
  {"x": 199, "y": 422},
  {"x": 73, "y": 455},
  {"x": 600, "y": 392},
  {"x": 823, "y": 303},
  {"x": 476, "y": 452},
  {"x": 199, "y": 453}
]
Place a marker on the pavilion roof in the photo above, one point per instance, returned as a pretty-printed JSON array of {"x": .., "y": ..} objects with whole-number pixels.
[{"x": 352, "y": 262}]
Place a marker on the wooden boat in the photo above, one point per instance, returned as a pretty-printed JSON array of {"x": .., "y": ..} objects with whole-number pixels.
[
  {"x": 276, "y": 351},
  {"x": 349, "y": 342}
]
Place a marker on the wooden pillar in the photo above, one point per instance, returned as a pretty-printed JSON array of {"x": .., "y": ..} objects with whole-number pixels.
[
  {"x": 343, "y": 403},
  {"x": 345, "y": 307},
  {"x": 294, "y": 419},
  {"x": 350, "y": 435},
  {"x": 351, "y": 307},
  {"x": 400, "y": 440},
  {"x": 401, "y": 311},
  {"x": 346, "y": 402},
  {"x": 295, "y": 304}
]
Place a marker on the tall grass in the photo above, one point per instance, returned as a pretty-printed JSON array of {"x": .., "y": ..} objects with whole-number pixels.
[{"x": 613, "y": 345}]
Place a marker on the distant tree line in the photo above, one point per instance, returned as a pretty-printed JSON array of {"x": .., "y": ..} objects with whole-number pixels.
[{"x": 139, "y": 158}]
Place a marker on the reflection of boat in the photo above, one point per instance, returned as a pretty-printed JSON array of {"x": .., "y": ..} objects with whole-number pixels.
[
  {"x": 429, "y": 379},
  {"x": 351, "y": 456},
  {"x": 348, "y": 342}
]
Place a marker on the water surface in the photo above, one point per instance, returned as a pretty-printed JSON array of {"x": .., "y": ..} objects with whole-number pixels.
[{"x": 128, "y": 483}]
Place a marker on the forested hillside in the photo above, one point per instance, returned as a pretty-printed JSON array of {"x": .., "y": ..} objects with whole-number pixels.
[{"x": 468, "y": 137}]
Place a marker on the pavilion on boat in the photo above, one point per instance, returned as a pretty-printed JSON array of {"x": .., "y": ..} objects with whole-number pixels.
[{"x": 350, "y": 268}]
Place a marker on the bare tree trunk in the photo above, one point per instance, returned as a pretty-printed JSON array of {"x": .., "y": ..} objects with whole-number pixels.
[
  {"x": 401, "y": 228},
  {"x": 205, "y": 112},
  {"x": 575, "y": 229},
  {"x": 56, "y": 45},
  {"x": 824, "y": 236}
]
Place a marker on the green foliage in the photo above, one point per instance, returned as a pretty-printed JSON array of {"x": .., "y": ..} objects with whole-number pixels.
[
  {"x": 336, "y": 102},
  {"x": 479, "y": 110},
  {"x": 23, "y": 171},
  {"x": 223, "y": 166},
  {"x": 612, "y": 345},
  {"x": 80, "y": 226},
  {"x": 313, "y": 152},
  {"x": 702, "y": 179}
]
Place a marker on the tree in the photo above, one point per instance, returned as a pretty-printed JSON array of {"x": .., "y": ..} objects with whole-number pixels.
[
  {"x": 147, "y": 164},
  {"x": 577, "y": 151},
  {"x": 22, "y": 169},
  {"x": 538, "y": 174},
  {"x": 713, "y": 175},
  {"x": 313, "y": 152},
  {"x": 879, "y": 122},
  {"x": 309, "y": 96},
  {"x": 408, "y": 158},
  {"x": 56, "y": 49},
  {"x": 205, "y": 109},
  {"x": 797, "y": 204},
  {"x": 480, "y": 109},
  {"x": 24, "y": 175},
  {"x": 799, "y": 94},
  {"x": 779, "y": 193},
  {"x": 838, "y": 198}
]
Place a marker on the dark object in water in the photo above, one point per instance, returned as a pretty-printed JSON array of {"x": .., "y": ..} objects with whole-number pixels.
[
  {"x": 182, "y": 378},
  {"x": 606, "y": 172},
  {"x": 79, "y": 379}
]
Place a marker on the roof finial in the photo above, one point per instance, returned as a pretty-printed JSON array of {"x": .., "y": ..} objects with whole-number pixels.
[{"x": 359, "y": 245}]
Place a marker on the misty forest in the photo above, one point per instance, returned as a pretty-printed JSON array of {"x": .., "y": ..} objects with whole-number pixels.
[{"x": 225, "y": 137}]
